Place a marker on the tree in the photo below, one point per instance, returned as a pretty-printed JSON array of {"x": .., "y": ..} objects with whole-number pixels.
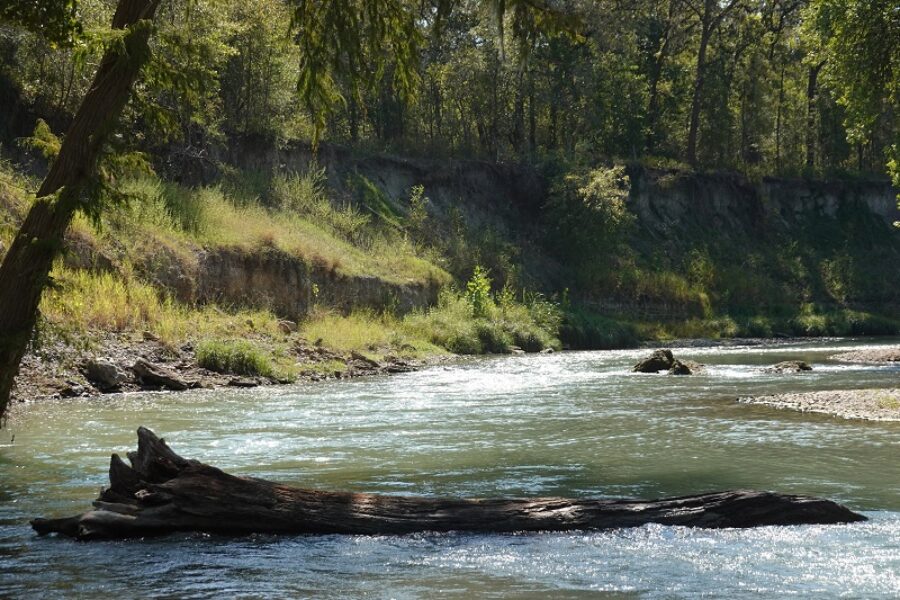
[
  {"x": 66, "y": 188},
  {"x": 859, "y": 38},
  {"x": 333, "y": 36},
  {"x": 666, "y": 28},
  {"x": 711, "y": 14}
]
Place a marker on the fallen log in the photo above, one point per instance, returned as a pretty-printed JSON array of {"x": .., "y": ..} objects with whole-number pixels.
[{"x": 162, "y": 492}]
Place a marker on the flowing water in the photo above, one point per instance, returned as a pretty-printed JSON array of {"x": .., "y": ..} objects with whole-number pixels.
[{"x": 572, "y": 424}]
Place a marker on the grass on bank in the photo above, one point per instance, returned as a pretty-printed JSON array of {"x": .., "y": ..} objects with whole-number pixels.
[
  {"x": 372, "y": 334},
  {"x": 296, "y": 217},
  {"x": 234, "y": 357},
  {"x": 250, "y": 342},
  {"x": 500, "y": 326},
  {"x": 812, "y": 321}
]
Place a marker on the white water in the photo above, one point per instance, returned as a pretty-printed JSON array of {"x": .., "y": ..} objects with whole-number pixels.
[{"x": 576, "y": 424}]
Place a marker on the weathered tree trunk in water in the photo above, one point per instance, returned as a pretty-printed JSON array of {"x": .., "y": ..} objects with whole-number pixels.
[
  {"x": 162, "y": 492},
  {"x": 27, "y": 265}
]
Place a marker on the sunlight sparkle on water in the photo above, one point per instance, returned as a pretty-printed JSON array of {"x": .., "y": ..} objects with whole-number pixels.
[{"x": 569, "y": 424}]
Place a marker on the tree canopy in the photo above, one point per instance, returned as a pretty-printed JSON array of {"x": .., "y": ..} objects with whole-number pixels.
[
  {"x": 785, "y": 86},
  {"x": 54, "y": 20}
]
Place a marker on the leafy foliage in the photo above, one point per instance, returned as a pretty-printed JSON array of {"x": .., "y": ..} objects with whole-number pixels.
[
  {"x": 358, "y": 38},
  {"x": 54, "y": 20},
  {"x": 588, "y": 215},
  {"x": 786, "y": 87},
  {"x": 478, "y": 292}
]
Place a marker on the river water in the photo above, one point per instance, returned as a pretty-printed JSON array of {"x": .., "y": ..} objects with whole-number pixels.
[{"x": 572, "y": 424}]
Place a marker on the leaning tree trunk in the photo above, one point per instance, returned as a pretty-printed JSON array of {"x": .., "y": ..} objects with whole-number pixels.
[
  {"x": 26, "y": 267},
  {"x": 162, "y": 492}
]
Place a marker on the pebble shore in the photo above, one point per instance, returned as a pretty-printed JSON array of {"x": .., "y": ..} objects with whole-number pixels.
[{"x": 867, "y": 404}]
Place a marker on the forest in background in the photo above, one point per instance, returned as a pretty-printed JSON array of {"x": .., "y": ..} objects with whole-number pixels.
[{"x": 789, "y": 87}]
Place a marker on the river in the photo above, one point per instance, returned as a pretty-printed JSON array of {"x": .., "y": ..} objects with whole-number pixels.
[{"x": 571, "y": 424}]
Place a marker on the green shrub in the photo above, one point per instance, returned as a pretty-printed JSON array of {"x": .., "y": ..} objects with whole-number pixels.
[
  {"x": 478, "y": 293},
  {"x": 452, "y": 325},
  {"x": 812, "y": 322},
  {"x": 587, "y": 215},
  {"x": 494, "y": 338},
  {"x": 449, "y": 324},
  {"x": 186, "y": 207},
  {"x": 760, "y": 327},
  {"x": 234, "y": 357}
]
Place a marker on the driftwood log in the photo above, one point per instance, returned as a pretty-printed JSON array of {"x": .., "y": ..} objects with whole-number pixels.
[{"x": 162, "y": 492}]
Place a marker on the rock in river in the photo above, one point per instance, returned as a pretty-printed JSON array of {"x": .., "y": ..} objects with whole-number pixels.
[
  {"x": 680, "y": 368},
  {"x": 789, "y": 366},
  {"x": 660, "y": 360}
]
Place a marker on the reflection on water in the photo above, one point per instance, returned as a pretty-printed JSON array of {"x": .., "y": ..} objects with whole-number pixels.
[{"x": 575, "y": 424}]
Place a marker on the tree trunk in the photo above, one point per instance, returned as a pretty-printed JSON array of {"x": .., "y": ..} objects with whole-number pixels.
[
  {"x": 518, "y": 129},
  {"x": 778, "y": 120},
  {"x": 162, "y": 492},
  {"x": 26, "y": 267},
  {"x": 693, "y": 128},
  {"x": 811, "y": 91},
  {"x": 656, "y": 69},
  {"x": 532, "y": 120}
]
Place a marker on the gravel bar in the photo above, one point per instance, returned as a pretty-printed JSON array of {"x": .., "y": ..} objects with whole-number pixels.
[{"x": 868, "y": 404}]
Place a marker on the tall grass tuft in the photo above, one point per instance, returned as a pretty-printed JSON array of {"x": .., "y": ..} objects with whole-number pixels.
[
  {"x": 305, "y": 195},
  {"x": 234, "y": 357},
  {"x": 102, "y": 301}
]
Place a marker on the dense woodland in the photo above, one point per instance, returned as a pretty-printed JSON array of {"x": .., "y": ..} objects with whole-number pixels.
[
  {"x": 765, "y": 87},
  {"x": 115, "y": 103}
]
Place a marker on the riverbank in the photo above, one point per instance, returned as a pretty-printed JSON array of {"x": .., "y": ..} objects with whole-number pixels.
[
  {"x": 866, "y": 404},
  {"x": 101, "y": 334},
  {"x": 129, "y": 362},
  {"x": 878, "y": 404}
]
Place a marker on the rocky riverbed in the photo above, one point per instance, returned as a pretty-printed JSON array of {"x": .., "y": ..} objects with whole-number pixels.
[
  {"x": 128, "y": 362},
  {"x": 867, "y": 404},
  {"x": 871, "y": 356}
]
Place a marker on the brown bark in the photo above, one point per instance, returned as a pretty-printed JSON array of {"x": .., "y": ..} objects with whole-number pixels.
[
  {"x": 812, "y": 87},
  {"x": 27, "y": 265},
  {"x": 710, "y": 20},
  {"x": 162, "y": 492},
  {"x": 699, "y": 76}
]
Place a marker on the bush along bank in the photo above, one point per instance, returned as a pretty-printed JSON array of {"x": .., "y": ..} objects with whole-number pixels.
[
  {"x": 122, "y": 314},
  {"x": 104, "y": 333}
]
